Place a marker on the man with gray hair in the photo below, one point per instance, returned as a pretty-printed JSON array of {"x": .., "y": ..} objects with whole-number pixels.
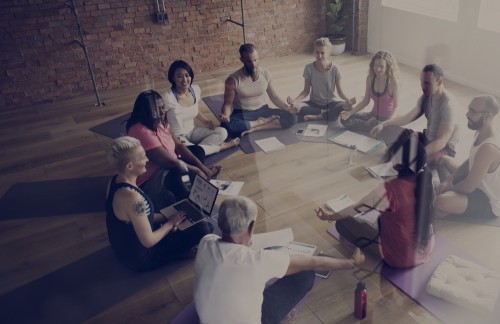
[
  {"x": 230, "y": 276},
  {"x": 474, "y": 188}
]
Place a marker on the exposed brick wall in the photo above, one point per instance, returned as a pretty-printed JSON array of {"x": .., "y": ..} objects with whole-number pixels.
[{"x": 40, "y": 62}]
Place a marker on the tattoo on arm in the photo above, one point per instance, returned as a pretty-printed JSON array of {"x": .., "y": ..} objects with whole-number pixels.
[{"x": 139, "y": 207}]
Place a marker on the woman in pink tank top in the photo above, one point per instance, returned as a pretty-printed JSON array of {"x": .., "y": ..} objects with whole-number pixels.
[{"x": 382, "y": 88}]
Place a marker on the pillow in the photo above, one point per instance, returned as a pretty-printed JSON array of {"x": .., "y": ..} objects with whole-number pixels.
[{"x": 465, "y": 283}]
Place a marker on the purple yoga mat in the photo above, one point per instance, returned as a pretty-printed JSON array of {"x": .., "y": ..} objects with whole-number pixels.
[
  {"x": 474, "y": 220},
  {"x": 112, "y": 128},
  {"x": 413, "y": 282},
  {"x": 285, "y": 136},
  {"x": 79, "y": 291},
  {"x": 189, "y": 316},
  {"x": 54, "y": 198},
  {"x": 214, "y": 103}
]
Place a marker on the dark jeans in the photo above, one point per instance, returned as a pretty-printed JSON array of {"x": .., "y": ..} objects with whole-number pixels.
[
  {"x": 240, "y": 119},
  {"x": 283, "y": 295},
  {"x": 362, "y": 122}
]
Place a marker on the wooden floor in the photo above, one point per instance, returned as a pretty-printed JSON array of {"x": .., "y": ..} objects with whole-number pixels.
[{"x": 52, "y": 141}]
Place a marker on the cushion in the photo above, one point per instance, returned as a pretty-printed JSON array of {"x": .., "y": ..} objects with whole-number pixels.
[{"x": 465, "y": 283}]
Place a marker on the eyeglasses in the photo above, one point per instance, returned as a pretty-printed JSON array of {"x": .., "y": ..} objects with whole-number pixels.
[{"x": 473, "y": 111}]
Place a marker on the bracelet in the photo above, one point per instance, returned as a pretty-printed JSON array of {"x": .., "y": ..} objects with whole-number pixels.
[{"x": 175, "y": 228}]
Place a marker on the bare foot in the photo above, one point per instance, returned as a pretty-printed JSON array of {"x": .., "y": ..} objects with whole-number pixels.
[
  {"x": 313, "y": 117},
  {"x": 289, "y": 317},
  {"x": 216, "y": 169},
  {"x": 358, "y": 257},
  {"x": 262, "y": 121},
  {"x": 226, "y": 145}
]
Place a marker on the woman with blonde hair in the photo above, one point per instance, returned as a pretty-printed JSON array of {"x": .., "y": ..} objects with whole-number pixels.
[
  {"x": 382, "y": 88},
  {"x": 140, "y": 238},
  {"x": 321, "y": 78}
]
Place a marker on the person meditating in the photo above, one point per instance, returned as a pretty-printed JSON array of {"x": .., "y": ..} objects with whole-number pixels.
[
  {"x": 230, "y": 276},
  {"x": 168, "y": 158},
  {"x": 321, "y": 79},
  {"x": 404, "y": 232},
  {"x": 140, "y": 238},
  {"x": 181, "y": 104},
  {"x": 245, "y": 91},
  {"x": 381, "y": 87}
]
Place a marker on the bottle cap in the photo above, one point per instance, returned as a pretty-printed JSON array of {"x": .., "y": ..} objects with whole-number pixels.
[{"x": 361, "y": 285}]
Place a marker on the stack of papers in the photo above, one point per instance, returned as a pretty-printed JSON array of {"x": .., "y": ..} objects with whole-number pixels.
[
  {"x": 383, "y": 170},
  {"x": 270, "y": 144},
  {"x": 281, "y": 240},
  {"x": 315, "y": 130}
]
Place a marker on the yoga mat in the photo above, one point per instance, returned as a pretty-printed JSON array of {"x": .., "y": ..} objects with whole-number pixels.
[
  {"x": 474, "y": 220},
  {"x": 413, "y": 281},
  {"x": 247, "y": 143},
  {"x": 79, "y": 291},
  {"x": 112, "y": 128},
  {"x": 54, "y": 198},
  {"x": 214, "y": 103},
  {"x": 189, "y": 316}
]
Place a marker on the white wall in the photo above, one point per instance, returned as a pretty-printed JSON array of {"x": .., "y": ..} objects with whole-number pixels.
[{"x": 468, "y": 55}]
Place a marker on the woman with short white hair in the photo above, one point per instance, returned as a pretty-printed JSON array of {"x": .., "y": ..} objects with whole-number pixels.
[{"x": 142, "y": 239}]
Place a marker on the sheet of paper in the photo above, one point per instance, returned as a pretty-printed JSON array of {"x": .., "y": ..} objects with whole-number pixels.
[
  {"x": 272, "y": 239},
  {"x": 227, "y": 188},
  {"x": 294, "y": 248},
  {"x": 370, "y": 217},
  {"x": 315, "y": 130},
  {"x": 270, "y": 144},
  {"x": 363, "y": 143},
  {"x": 339, "y": 203}
]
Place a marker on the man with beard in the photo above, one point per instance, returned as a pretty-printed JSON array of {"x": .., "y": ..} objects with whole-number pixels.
[
  {"x": 439, "y": 108},
  {"x": 474, "y": 188},
  {"x": 245, "y": 91}
]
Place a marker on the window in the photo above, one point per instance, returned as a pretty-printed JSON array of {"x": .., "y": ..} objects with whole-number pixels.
[
  {"x": 489, "y": 15},
  {"x": 442, "y": 9}
]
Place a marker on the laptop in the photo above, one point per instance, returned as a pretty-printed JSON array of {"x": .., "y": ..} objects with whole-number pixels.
[{"x": 198, "y": 206}]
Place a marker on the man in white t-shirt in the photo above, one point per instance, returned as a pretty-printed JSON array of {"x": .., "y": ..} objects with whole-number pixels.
[
  {"x": 230, "y": 277},
  {"x": 245, "y": 108},
  {"x": 474, "y": 188}
]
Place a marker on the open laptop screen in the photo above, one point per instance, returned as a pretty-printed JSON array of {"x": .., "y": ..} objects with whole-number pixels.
[{"x": 203, "y": 194}]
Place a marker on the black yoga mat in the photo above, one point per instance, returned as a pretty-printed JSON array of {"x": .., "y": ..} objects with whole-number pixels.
[
  {"x": 54, "y": 198},
  {"x": 79, "y": 291},
  {"x": 112, "y": 128}
]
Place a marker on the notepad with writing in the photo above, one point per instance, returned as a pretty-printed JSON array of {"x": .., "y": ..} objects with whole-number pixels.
[
  {"x": 294, "y": 248},
  {"x": 270, "y": 144},
  {"x": 363, "y": 143},
  {"x": 383, "y": 170}
]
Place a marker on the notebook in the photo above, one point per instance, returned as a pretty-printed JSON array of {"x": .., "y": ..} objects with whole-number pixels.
[{"x": 198, "y": 206}]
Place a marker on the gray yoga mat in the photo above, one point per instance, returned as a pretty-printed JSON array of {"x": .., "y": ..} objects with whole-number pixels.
[
  {"x": 79, "y": 291},
  {"x": 54, "y": 198},
  {"x": 333, "y": 128},
  {"x": 214, "y": 103},
  {"x": 112, "y": 128},
  {"x": 247, "y": 142}
]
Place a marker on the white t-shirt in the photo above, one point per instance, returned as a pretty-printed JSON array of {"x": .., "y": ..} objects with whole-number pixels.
[
  {"x": 180, "y": 118},
  {"x": 250, "y": 95},
  {"x": 490, "y": 184},
  {"x": 322, "y": 84},
  {"x": 230, "y": 280}
]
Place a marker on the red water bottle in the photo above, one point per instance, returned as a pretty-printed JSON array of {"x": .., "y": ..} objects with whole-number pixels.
[{"x": 360, "y": 297}]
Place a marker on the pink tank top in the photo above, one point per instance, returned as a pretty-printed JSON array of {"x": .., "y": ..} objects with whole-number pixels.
[{"x": 383, "y": 106}]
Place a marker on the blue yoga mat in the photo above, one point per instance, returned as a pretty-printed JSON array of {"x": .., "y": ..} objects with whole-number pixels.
[
  {"x": 112, "y": 128},
  {"x": 54, "y": 198},
  {"x": 79, "y": 291}
]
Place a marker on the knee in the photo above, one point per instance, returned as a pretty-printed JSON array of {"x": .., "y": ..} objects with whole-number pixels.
[
  {"x": 222, "y": 132},
  {"x": 306, "y": 279}
]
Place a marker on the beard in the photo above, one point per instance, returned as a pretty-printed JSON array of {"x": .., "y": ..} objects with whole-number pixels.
[
  {"x": 475, "y": 125},
  {"x": 253, "y": 72}
]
